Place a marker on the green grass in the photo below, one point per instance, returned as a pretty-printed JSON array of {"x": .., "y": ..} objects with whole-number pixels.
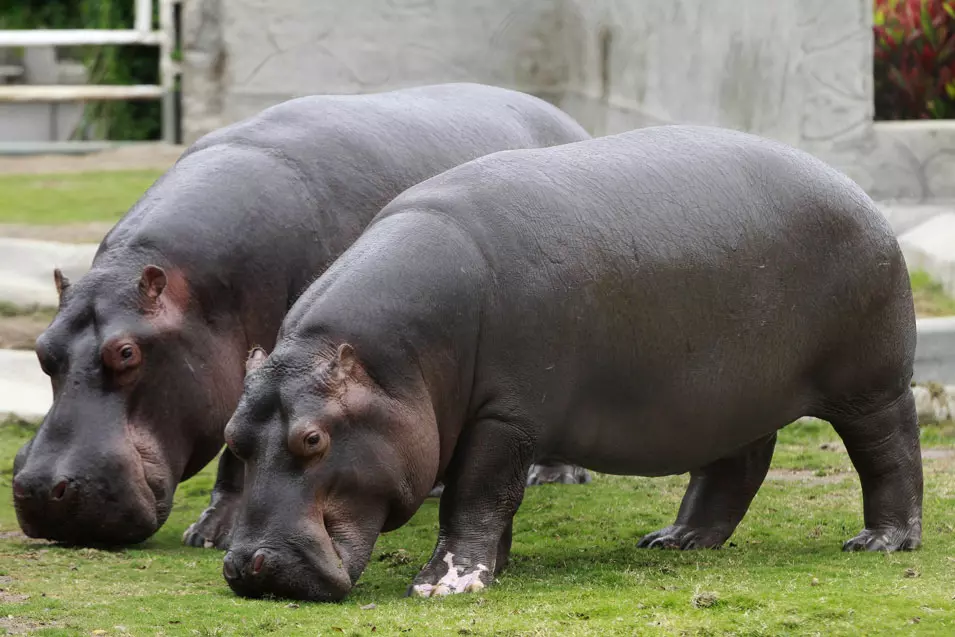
[
  {"x": 575, "y": 569},
  {"x": 71, "y": 198},
  {"x": 930, "y": 298}
]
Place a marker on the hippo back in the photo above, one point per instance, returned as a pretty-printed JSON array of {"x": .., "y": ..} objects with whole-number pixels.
[
  {"x": 302, "y": 179},
  {"x": 669, "y": 262}
]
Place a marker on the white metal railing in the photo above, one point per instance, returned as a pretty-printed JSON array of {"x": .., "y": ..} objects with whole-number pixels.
[{"x": 141, "y": 33}]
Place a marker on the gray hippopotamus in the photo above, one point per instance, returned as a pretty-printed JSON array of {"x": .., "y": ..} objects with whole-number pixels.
[
  {"x": 146, "y": 354},
  {"x": 650, "y": 303}
]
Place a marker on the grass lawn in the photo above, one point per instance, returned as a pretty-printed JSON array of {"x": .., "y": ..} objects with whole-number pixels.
[
  {"x": 930, "y": 298},
  {"x": 575, "y": 569},
  {"x": 71, "y": 197}
]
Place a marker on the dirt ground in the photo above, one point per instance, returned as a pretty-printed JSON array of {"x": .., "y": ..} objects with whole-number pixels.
[
  {"x": 134, "y": 157},
  {"x": 92, "y": 232},
  {"x": 18, "y": 330}
]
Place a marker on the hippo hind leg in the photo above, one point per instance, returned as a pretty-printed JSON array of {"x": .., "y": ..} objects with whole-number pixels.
[
  {"x": 717, "y": 498},
  {"x": 883, "y": 445}
]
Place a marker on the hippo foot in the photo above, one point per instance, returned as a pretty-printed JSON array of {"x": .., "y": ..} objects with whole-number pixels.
[
  {"x": 447, "y": 578},
  {"x": 557, "y": 474},
  {"x": 683, "y": 537},
  {"x": 214, "y": 526},
  {"x": 436, "y": 490},
  {"x": 889, "y": 540}
]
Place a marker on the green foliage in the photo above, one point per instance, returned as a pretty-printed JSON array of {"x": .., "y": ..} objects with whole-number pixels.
[
  {"x": 130, "y": 121},
  {"x": 914, "y": 62}
]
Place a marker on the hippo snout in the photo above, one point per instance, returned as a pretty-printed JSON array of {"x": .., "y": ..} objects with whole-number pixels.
[
  {"x": 76, "y": 509},
  {"x": 38, "y": 489},
  {"x": 285, "y": 573}
]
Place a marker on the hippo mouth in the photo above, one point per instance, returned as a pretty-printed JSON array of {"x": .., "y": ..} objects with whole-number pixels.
[
  {"x": 150, "y": 486},
  {"x": 293, "y": 572},
  {"x": 121, "y": 500}
]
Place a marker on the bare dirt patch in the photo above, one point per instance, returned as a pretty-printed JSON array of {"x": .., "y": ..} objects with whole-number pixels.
[
  {"x": 12, "y": 535},
  {"x": 939, "y": 460},
  {"x": 19, "y": 327},
  {"x": 90, "y": 232},
  {"x": 6, "y": 597},
  {"x": 20, "y": 332},
  {"x": 134, "y": 157},
  {"x": 805, "y": 475},
  {"x": 14, "y": 626}
]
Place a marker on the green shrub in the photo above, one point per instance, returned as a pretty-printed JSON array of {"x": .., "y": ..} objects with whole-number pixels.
[
  {"x": 120, "y": 120},
  {"x": 914, "y": 62}
]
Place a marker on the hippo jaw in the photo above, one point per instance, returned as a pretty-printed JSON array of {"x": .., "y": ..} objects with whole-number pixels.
[{"x": 313, "y": 567}]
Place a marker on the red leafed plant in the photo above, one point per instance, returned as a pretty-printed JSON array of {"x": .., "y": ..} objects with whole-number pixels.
[{"x": 914, "y": 59}]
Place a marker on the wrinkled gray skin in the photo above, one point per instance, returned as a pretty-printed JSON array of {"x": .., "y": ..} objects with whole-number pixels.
[
  {"x": 652, "y": 303},
  {"x": 146, "y": 353}
]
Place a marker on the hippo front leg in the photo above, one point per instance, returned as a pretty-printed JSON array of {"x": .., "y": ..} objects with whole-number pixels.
[
  {"x": 716, "y": 499},
  {"x": 214, "y": 526},
  {"x": 481, "y": 496}
]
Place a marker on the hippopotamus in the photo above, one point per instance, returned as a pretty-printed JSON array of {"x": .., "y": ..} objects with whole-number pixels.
[
  {"x": 651, "y": 303},
  {"x": 146, "y": 353}
]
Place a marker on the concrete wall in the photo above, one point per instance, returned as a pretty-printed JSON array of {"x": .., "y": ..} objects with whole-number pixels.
[{"x": 799, "y": 72}]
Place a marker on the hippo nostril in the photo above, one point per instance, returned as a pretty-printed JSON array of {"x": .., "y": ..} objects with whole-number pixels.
[
  {"x": 59, "y": 490},
  {"x": 257, "y": 563},
  {"x": 19, "y": 491},
  {"x": 228, "y": 569}
]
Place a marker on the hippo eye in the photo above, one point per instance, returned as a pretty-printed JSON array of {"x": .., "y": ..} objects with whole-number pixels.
[
  {"x": 122, "y": 356},
  {"x": 312, "y": 443}
]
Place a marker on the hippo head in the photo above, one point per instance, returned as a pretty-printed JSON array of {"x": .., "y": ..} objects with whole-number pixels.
[
  {"x": 332, "y": 460},
  {"x": 133, "y": 396}
]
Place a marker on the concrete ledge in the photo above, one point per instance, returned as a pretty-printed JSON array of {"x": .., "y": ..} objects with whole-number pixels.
[
  {"x": 904, "y": 216},
  {"x": 935, "y": 352},
  {"x": 930, "y": 246},
  {"x": 911, "y": 160},
  {"x": 26, "y": 268},
  {"x": 24, "y": 388}
]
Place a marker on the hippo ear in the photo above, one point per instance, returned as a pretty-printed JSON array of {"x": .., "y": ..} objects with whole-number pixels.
[
  {"x": 152, "y": 282},
  {"x": 346, "y": 360},
  {"x": 256, "y": 357},
  {"x": 61, "y": 282},
  {"x": 343, "y": 365}
]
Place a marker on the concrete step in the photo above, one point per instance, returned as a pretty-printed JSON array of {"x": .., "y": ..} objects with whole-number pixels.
[
  {"x": 24, "y": 388},
  {"x": 930, "y": 246},
  {"x": 26, "y": 268}
]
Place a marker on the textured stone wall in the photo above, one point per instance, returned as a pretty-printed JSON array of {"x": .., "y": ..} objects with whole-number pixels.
[{"x": 798, "y": 72}]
